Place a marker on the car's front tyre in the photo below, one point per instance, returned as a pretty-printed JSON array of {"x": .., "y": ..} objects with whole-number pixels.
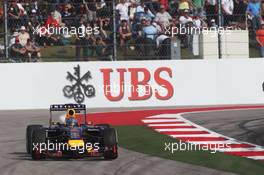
[{"x": 30, "y": 129}]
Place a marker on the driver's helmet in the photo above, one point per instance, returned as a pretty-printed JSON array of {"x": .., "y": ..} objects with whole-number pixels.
[
  {"x": 70, "y": 119},
  {"x": 71, "y": 122}
]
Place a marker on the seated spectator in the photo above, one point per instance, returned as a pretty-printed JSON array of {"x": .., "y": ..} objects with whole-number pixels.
[
  {"x": 14, "y": 16},
  {"x": 240, "y": 7},
  {"x": 100, "y": 48},
  {"x": 67, "y": 16},
  {"x": 183, "y": 5},
  {"x": 185, "y": 17},
  {"x": 23, "y": 36},
  {"x": 253, "y": 10},
  {"x": 52, "y": 21},
  {"x": 198, "y": 7},
  {"x": 174, "y": 7},
  {"x": 32, "y": 51},
  {"x": 17, "y": 51},
  {"x": 260, "y": 39},
  {"x": 122, "y": 8},
  {"x": 1, "y": 13},
  {"x": 144, "y": 11},
  {"x": 149, "y": 31},
  {"x": 227, "y": 10},
  {"x": 211, "y": 11},
  {"x": 125, "y": 33},
  {"x": 162, "y": 17}
]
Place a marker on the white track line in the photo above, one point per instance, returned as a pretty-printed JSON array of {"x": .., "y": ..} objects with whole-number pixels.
[
  {"x": 239, "y": 149},
  {"x": 170, "y": 124},
  {"x": 160, "y": 120},
  {"x": 191, "y": 135},
  {"x": 256, "y": 157},
  {"x": 178, "y": 129},
  {"x": 224, "y": 142}
]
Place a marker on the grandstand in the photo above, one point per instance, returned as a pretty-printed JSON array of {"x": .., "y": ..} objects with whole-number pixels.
[{"x": 52, "y": 30}]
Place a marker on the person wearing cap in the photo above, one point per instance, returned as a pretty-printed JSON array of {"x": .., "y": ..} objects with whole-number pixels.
[
  {"x": 162, "y": 17},
  {"x": 23, "y": 36},
  {"x": 260, "y": 39},
  {"x": 183, "y": 5}
]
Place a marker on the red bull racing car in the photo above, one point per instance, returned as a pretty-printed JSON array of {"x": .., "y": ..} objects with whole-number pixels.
[{"x": 70, "y": 137}]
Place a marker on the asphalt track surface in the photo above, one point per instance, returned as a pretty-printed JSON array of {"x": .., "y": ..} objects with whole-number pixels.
[{"x": 246, "y": 125}]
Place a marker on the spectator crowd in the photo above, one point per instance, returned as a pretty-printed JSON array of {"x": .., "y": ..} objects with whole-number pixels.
[{"x": 141, "y": 25}]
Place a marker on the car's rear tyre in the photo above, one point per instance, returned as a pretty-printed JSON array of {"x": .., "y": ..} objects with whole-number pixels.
[
  {"x": 30, "y": 129},
  {"x": 38, "y": 143},
  {"x": 110, "y": 143}
]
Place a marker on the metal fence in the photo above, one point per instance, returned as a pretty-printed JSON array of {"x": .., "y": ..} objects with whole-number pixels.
[{"x": 113, "y": 31}]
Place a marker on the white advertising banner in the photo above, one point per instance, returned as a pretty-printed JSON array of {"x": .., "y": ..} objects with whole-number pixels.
[{"x": 132, "y": 83}]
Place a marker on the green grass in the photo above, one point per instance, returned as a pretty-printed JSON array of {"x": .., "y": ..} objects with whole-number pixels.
[{"x": 144, "y": 140}]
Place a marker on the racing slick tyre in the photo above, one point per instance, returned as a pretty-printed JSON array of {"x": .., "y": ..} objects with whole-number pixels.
[
  {"x": 110, "y": 143},
  {"x": 30, "y": 129},
  {"x": 105, "y": 126},
  {"x": 38, "y": 139}
]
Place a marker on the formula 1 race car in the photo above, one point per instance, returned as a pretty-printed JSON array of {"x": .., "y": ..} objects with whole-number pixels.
[{"x": 71, "y": 138}]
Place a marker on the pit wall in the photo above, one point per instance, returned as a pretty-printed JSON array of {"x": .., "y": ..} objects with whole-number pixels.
[{"x": 144, "y": 83}]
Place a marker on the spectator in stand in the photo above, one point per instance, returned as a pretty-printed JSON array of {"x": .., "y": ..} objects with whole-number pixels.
[
  {"x": 23, "y": 36},
  {"x": 91, "y": 9},
  {"x": 1, "y": 13},
  {"x": 125, "y": 34},
  {"x": 149, "y": 33},
  {"x": 260, "y": 39},
  {"x": 17, "y": 51},
  {"x": 240, "y": 7},
  {"x": 51, "y": 21},
  {"x": 153, "y": 5},
  {"x": 57, "y": 16},
  {"x": 163, "y": 17},
  {"x": 174, "y": 7},
  {"x": 79, "y": 41},
  {"x": 227, "y": 10},
  {"x": 143, "y": 11},
  {"x": 211, "y": 11},
  {"x": 164, "y": 3},
  {"x": 185, "y": 17},
  {"x": 254, "y": 12},
  {"x": 100, "y": 48},
  {"x": 198, "y": 7},
  {"x": 14, "y": 16},
  {"x": 32, "y": 51},
  {"x": 184, "y": 5},
  {"x": 67, "y": 16},
  {"x": 122, "y": 8}
]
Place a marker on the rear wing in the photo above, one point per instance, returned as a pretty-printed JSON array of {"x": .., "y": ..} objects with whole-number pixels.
[{"x": 64, "y": 107}]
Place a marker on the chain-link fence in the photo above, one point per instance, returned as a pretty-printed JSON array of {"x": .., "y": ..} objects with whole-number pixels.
[{"x": 84, "y": 30}]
